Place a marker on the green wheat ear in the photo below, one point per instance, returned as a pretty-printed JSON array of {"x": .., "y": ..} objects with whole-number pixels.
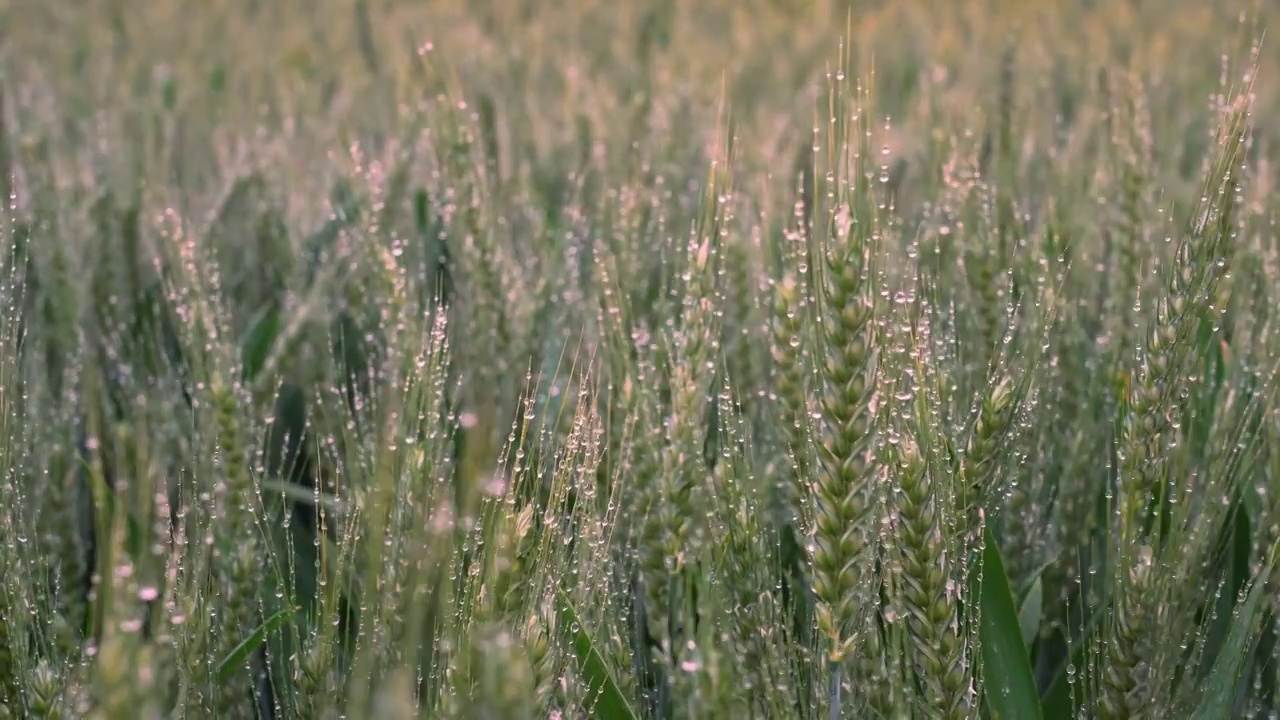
[
  {"x": 929, "y": 594},
  {"x": 842, "y": 496},
  {"x": 773, "y": 410},
  {"x": 791, "y": 388},
  {"x": 985, "y": 450},
  {"x": 1124, "y": 694}
]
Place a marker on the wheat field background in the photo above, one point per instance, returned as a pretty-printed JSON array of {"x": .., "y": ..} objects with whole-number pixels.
[{"x": 660, "y": 359}]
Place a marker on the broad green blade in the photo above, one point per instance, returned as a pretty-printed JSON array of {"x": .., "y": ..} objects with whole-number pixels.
[
  {"x": 259, "y": 341},
  {"x": 1219, "y": 694},
  {"x": 1029, "y": 615},
  {"x": 235, "y": 659},
  {"x": 610, "y": 703},
  {"x": 1010, "y": 687}
]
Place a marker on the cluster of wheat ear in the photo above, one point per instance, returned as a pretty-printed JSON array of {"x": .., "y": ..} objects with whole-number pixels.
[{"x": 666, "y": 360}]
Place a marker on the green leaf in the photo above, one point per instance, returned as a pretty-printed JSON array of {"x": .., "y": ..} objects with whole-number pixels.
[
  {"x": 307, "y": 496},
  {"x": 1030, "y": 583},
  {"x": 217, "y": 78},
  {"x": 610, "y": 703},
  {"x": 235, "y": 659},
  {"x": 259, "y": 341},
  {"x": 1029, "y": 614},
  {"x": 1220, "y": 690},
  {"x": 1010, "y": 687},
  {"x": 1237, "y": 546},
  {"x": 1241, "y": 549},
  {"x": 107, "y": 503},
  {"x": 1056, "y": 700}
]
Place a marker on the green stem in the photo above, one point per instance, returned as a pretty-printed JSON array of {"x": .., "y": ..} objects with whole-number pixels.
[{"x": 834, "y": 712}]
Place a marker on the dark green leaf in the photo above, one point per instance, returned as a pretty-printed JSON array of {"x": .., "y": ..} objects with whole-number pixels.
[
  {"x": 1010, "y": 687},
  {"x": 259, "y": 341},
  {"x": 1056, "y": 700},
  {"x": 307, "y": 496},
  {"x": 1219, "y": 694},
  {"x": 235, "y": 659},
  {"x": 1237, "y": 542},
  {"x": 1029, "y": 614},
  {"x": 610, "y": 703}
]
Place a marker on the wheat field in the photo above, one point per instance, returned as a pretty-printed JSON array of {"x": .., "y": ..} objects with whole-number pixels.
[{"x": 663, "y": 359}]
